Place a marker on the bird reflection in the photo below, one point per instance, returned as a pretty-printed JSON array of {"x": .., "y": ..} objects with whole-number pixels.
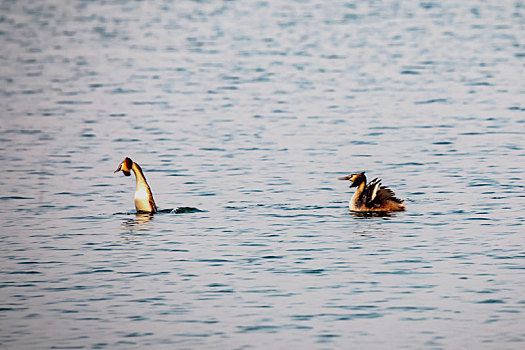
[
  {"x": 141, "y": 222},
  {"x": 366, "y": 215}
]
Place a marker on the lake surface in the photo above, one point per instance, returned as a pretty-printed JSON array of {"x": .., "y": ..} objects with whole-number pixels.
[{"x": 249, "y": 111}]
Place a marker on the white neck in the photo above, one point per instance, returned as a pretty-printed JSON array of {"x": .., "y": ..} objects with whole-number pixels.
[{"x": 143, "y": 197}]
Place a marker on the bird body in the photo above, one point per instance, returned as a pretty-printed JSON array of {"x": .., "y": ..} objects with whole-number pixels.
[
  {"x": 144, "y": 201},
  {"x": 372, "y": 197}
]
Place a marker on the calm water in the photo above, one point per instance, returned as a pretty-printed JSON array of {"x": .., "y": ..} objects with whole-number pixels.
[{"x": 250, "y": 110}]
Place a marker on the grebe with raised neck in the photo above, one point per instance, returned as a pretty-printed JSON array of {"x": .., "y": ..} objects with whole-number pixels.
[
  {"x": 372, "y": 197},
  {"x": 144, "y": 202}
]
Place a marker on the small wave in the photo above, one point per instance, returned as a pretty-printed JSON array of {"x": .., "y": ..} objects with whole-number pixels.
[
  {"x": 13, "y": 197},
  {"x": 179, "y": 210},
  {"x": 182, "y": 210},
  {"x": 435, "y": 100}
]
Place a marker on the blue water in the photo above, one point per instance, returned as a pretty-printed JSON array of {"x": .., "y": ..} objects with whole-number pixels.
[{"x": 249, "y": 111}]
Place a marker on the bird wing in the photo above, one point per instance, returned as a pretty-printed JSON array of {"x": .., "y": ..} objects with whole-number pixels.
[
  {"x": 386, "y": 194},
  {"x": 375, "y": 194},
  {"x": 371, "y": 190}
]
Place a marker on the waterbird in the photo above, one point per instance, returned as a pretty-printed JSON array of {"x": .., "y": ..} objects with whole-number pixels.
[
  {"x": 144, "y": 202},
  {"x": 372, "y": 197}
]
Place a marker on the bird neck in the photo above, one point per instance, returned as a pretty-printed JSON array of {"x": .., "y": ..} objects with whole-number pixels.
[
  {"x": 360, "y": 188},
  {"x": 139, "y": 175},
  {"x": 143, "y": 197},
  {"x": 356, "y": 202}
]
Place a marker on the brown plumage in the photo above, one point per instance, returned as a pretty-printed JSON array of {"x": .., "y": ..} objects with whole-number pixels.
[{"x": 372, "y": 196}]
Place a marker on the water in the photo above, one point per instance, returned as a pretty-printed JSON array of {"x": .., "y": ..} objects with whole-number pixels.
[{"x": 250, "y": 111}]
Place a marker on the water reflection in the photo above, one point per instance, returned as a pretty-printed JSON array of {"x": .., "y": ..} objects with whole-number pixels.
[
  {"x": 372, "y": 214},
  {"x": 141, "y": 222}
]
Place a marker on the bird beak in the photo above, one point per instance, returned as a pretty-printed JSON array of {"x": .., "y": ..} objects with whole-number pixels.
[
  {"x": 344, "y": 178},
  {"x": 119, "y": 167}
]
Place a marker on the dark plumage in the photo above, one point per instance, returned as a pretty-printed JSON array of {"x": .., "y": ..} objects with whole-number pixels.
[{"x": 372, "y": 196}]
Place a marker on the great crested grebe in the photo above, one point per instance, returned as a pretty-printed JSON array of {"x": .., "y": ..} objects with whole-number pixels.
[
  {"x": 144, "y": 201},
  {"x": 372, "y": 197}
]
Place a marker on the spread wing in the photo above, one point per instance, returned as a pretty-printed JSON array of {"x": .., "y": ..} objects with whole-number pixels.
[
  {"x": 374, "y": 194},
  {"x": 371, "y": 190}
]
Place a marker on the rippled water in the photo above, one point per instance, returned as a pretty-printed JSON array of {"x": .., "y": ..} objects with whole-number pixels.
[{"x": 250, "y": 111}]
